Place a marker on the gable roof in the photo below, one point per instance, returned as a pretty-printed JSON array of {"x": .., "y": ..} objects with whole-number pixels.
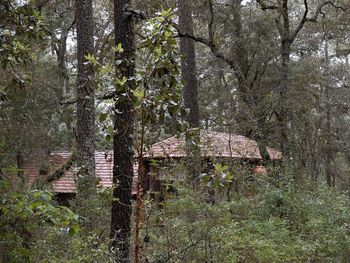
[
  {"x": 66, "y": 183},
  {"x": 212, "y": 144}
]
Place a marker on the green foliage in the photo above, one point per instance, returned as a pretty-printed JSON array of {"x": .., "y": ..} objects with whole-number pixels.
[
  {"x": 20, "y": 24},
  {"x": 87, "y": 245},
  {"x": 24, "y": 214},
  {"x": 277, "y": 224},
  {"x": 221, "y": 177},
  {"x": 159, "y": 94},
  {"x": 56, "y": 247},
  {"x": 156, "y": 86}
]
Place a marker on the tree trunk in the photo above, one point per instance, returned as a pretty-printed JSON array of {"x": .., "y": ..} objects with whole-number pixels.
[
  {"x": 190, "y": 90},
  {"x": 19, "y": 160},
  {"x": 251, "y": 124},
  {"x": 188, "y": 63},
  {"x": 61, "y": 60},
  {"x": 123, "y": 136},
  {"x": 245, "y": 102},
  {"x": 85, "y": 127},
  {"x": 328, "y": 136},
  {"x": 283, "y": 96}
]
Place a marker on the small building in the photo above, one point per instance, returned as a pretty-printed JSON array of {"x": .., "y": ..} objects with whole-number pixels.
[
  {"x": 65, "y": 186},
  {"x": 214, "y": 146}
]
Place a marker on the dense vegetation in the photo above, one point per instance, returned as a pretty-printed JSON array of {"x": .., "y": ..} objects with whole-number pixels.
[{"x": 93, "y": 75}]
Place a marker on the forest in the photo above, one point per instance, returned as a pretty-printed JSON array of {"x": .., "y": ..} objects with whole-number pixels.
[{"x": 176, "y": 131}]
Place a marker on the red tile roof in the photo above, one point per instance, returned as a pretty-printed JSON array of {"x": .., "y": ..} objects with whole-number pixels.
[
  {"x": 66, "y": 184},
  {"x": 212, "y": 144}
]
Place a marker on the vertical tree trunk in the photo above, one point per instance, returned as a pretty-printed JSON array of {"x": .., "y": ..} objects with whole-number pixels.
[
  {"x": 123, "y": 136},
  {"x": 19, "y": 160},
  {"x": 283, "y": 96},
  {"x": 240, "y": 53},
  {"x": 328, "y": 136},
  {"x": 61, "y": 60},
  {"x": 85, "y": 128},
  {"x": 285, "y": 46},
  {"x": 188, "y": 63},
  {"x": 252, "y": 123},
  {"x": 190, "y": 90}
]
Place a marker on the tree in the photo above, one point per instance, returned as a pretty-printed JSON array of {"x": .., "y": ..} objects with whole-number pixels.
[
  {"x": 61, "y": 18},
  {"x": 288, "y": 36},
  {"x": 247, "y": 62},
  {"x": 85, "y": 128},
  {"x": 123, "y": 130},
  {"x": 190, "y": 90},
  {"x": 20, "y": 25},
  {"x": 188, "y": 63}
]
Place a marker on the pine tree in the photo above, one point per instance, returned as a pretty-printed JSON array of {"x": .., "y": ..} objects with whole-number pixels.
[{"x": 123, "y": 134}]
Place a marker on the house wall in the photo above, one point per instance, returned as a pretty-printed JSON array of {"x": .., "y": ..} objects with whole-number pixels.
[
  {"x": 64, "y": 198},
  {"x": 162, "y": 173}
]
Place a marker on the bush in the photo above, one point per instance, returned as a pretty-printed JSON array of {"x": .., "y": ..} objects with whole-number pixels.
[
  {"x": 25, "y": 214},
  {"x": 285, "y": 223}
]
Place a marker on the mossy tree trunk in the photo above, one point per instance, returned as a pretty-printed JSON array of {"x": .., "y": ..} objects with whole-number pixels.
[
  {"x": 123, "y": 134},
  {"x": 85, "y": 127}
]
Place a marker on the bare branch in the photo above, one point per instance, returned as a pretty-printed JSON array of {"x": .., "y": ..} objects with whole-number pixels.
[
  {"x": 265, "y": 6},
  {"x": 67, "y": 102},
  {"x": 211, "y": 22},
  {"x": 136, "y": 13},
  {"x": 301, "y": 23}
]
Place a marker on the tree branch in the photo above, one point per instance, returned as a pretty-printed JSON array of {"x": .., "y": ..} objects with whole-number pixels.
[
  {"x": 211, "y": 22},
  {"x": 319, "y": 10},
  {"x": 301, "y": 23},
  {"x": 265, "y": 6}
]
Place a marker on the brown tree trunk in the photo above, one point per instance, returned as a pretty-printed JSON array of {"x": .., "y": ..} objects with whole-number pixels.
[
  {"x": 61, "y": 60},
  {"x": 123, "y": 136},
  {"x": 190, "y": 90},
  {"x": 19, "y": 160},
  {"x": 188, "y": 63},
  {"x": 283, "y": 96},
  {"x": 240, "y": 52},
  {"x": 285, "y": 46},
  {"x": 85, "y": 127}
]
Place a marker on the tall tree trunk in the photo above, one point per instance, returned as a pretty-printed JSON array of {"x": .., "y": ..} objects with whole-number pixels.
[
  {"x": 252, "y": 123},
  {"x": 19, "y": 160},
  {"x": 123, "y": 136},
  {"x": 283, "y": 96},
  {"x": 188, "y": 63},
  {"x": 285, "y": 46},
  {"x": 190, "y": 90},
  {"x": 61, "y": 60},
  {"x": 328, "y": 136},
  {"x": 240, "y": 52},
  {"x": 85, "y": 128}
]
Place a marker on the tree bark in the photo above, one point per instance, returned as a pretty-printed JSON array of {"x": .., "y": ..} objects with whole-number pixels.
[
  {"x": 241, "y": 56},
  {"x": 188, "y": 63},
  {"x": 123, "y": 136},
  {"x": 285, "y": 46},
  {"x": 248, "y": 125},
  {"x": 61, "y": 51},
  {"x": 85, "y": 127},
  {"x": 283, "y": 96},
  {"x": 328, "y": 128},
  {"x": 190, "y": 89}
]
